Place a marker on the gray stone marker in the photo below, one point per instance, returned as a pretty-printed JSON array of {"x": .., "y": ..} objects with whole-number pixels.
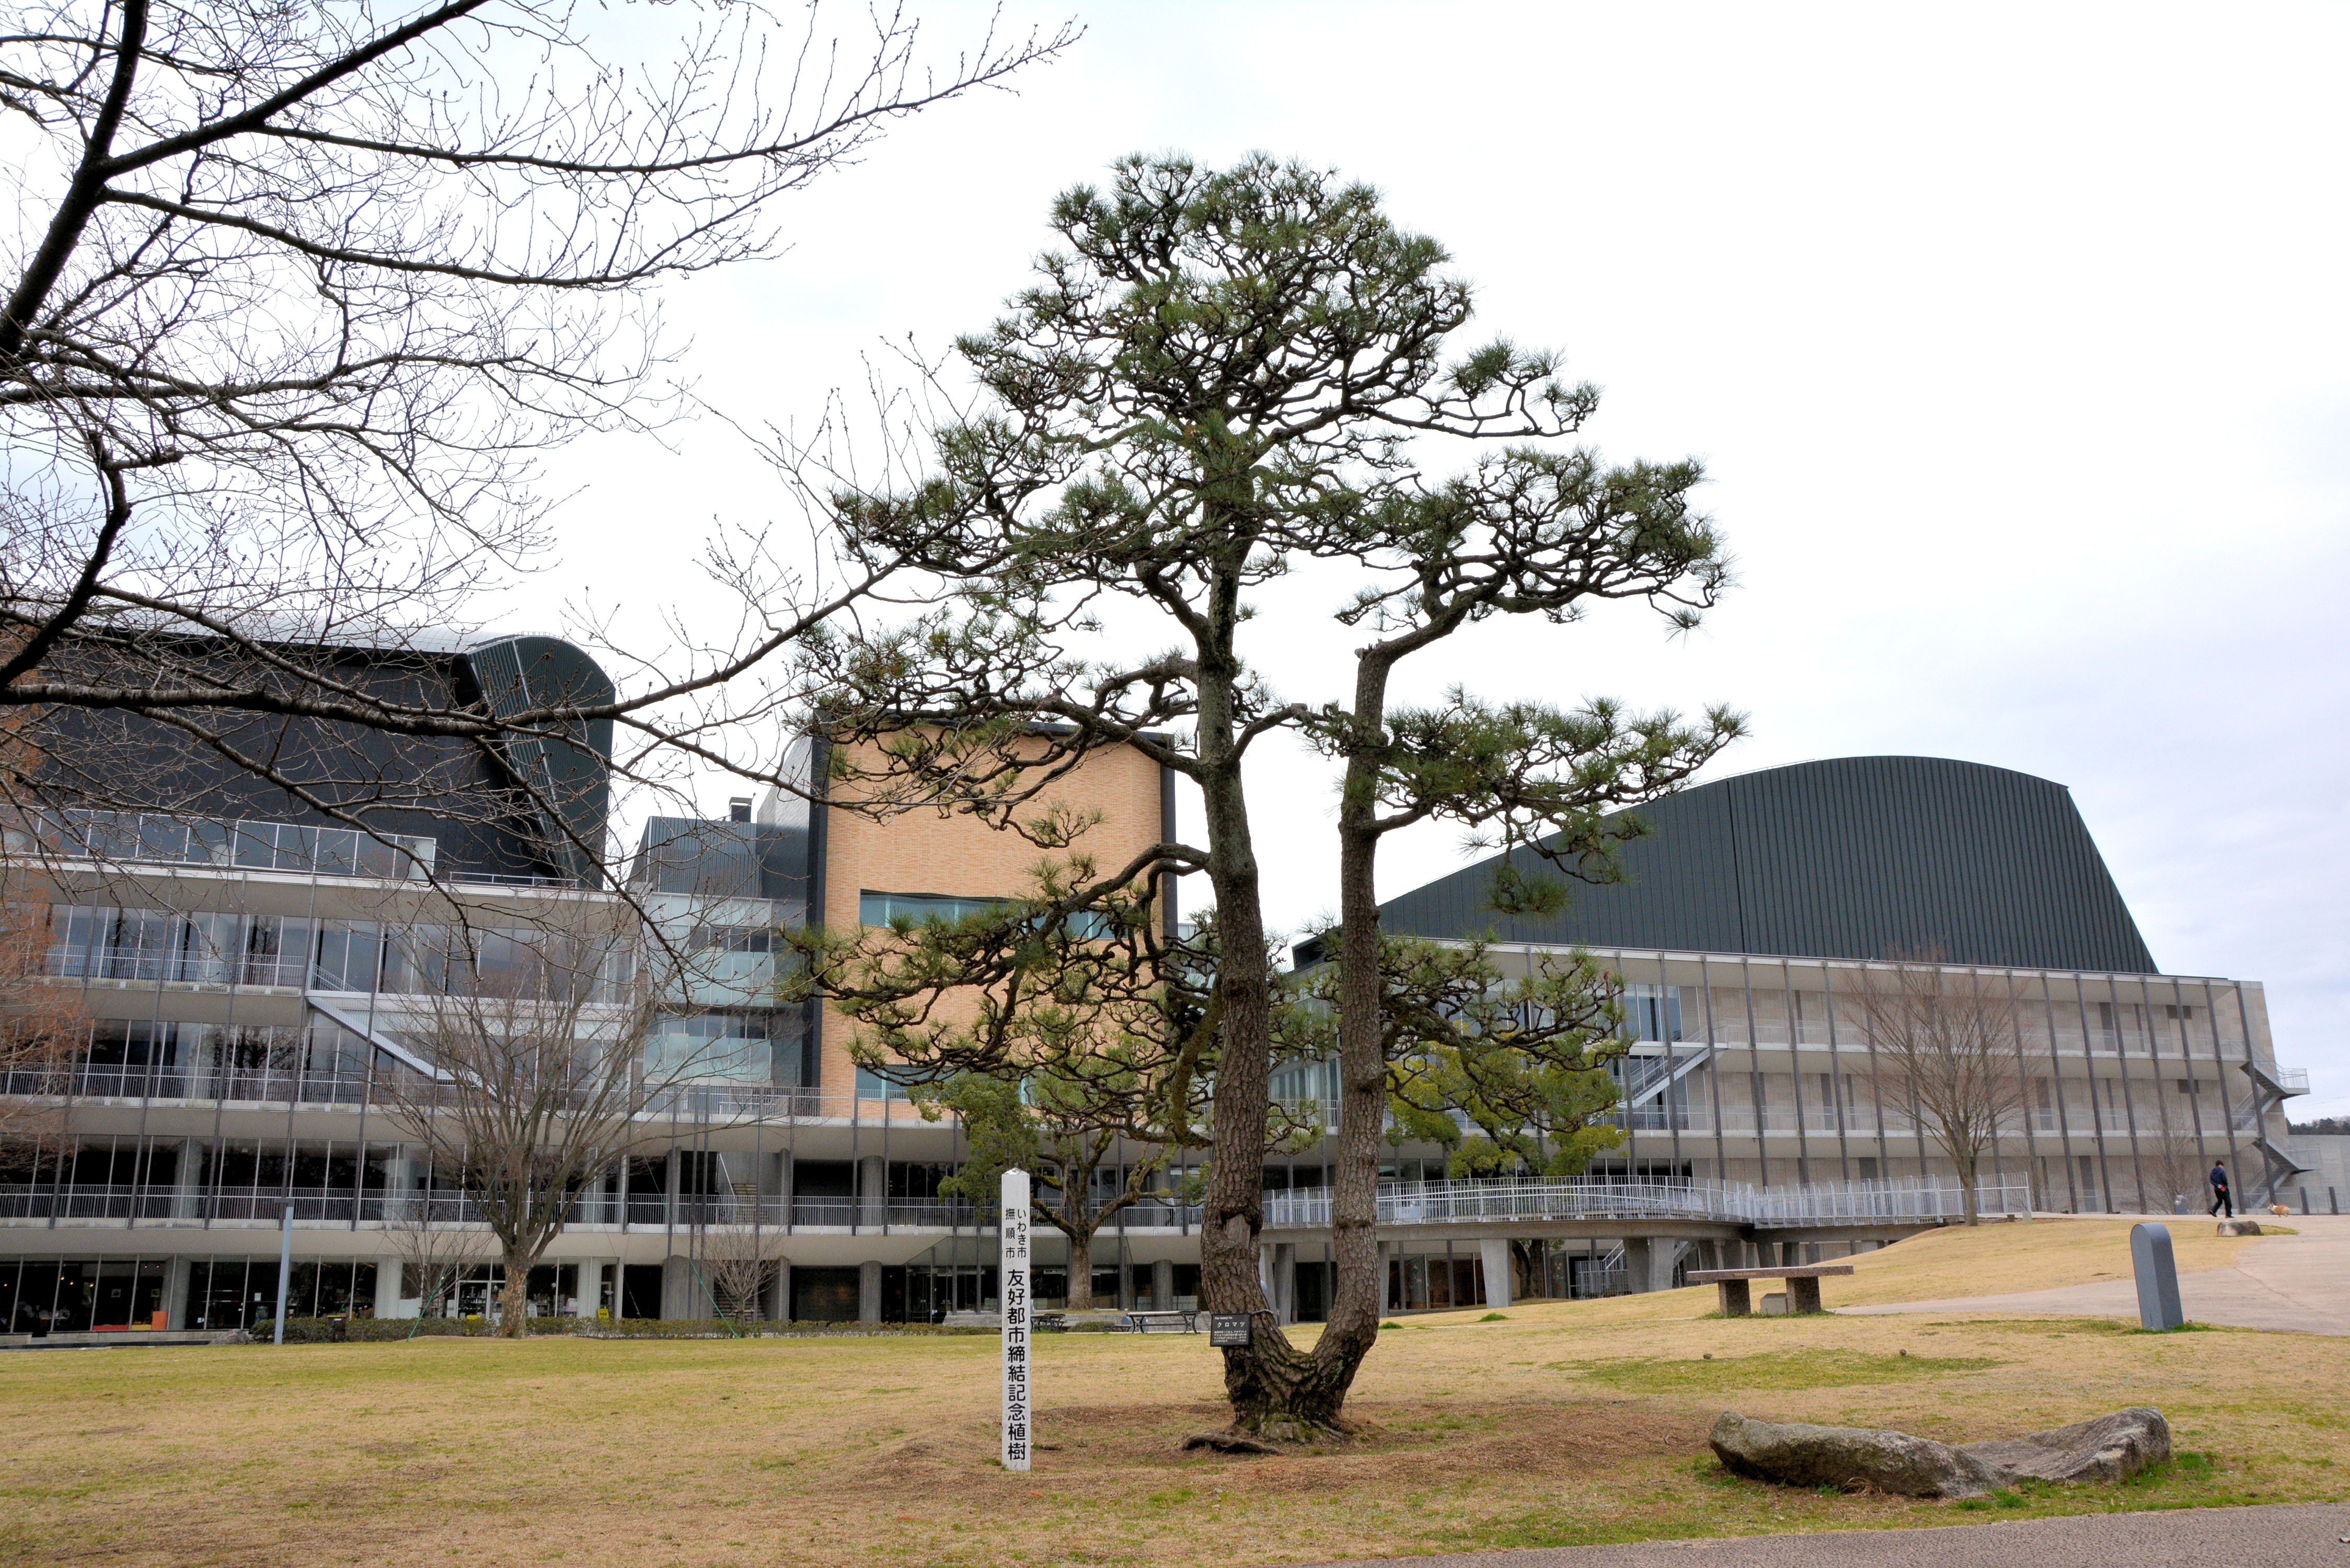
[{"x": 2157, "y": 1278}]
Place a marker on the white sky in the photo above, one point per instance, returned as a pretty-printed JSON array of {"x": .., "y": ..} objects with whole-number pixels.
[{"x": 2015, "y": 340}]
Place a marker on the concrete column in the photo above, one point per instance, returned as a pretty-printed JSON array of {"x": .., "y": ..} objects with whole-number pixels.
[
  {"x": 779, "y": 1294},
  {"x": 868, "y": 1293},
  {"x": 1648, "y": 1263},
  {"x": 188, "y": 1183},
  {"x": 681, "y": 1292},
  {"x": 1162, "y": 1284},
  {"x": 591, "y": 1286},
  {"x": 388, "y": 1303},
  {"x": 1635, "y": 1264},
  {"x": 1495, "y": 1257},
  {"x": 175, "y": 1293},
  {"x": 1285, "y": 1281},
  {"x": 1264, "y": 1269},
  {"x": 872, "y": 1196},
  {"x": 401, "y": 1169}
]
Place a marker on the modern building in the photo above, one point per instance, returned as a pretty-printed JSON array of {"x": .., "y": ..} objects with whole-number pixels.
[
  {"x": 2322, "y": 1150},
  {"x": 251, "y": 973},
  {"x": 1751, "y": 922}
]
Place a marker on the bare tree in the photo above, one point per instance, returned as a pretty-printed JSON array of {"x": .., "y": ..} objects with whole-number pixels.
[
  {"x": 435, "y": 1251},
  {"x": 301, "y": 296},
  {"x": 740, "y": 1265},
  {"x": 539, "y": 1081},
  {"x": 2173, "y": 1164},
  {"x": 43, "y": 1029},
  {"x": 1944, "y": 1047}
]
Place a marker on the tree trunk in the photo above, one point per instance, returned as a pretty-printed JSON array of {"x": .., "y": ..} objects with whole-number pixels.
[
  {"x": 1081, "y": 1269},
  {"x": 1966, "y": 1163},
  {"x": 514, "y": 1296},
  {"x": 1360, "y": 1289},
  {"x": 1262, "y": 1380}
]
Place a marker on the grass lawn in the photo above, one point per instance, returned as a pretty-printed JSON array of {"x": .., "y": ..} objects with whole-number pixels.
[{"x": 1562, "y": 1423}]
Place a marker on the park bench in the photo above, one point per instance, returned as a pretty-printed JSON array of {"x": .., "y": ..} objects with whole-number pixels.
[
  {"x": 1166, "y": 1322},
  {"x": 1803, "y": 1285}
]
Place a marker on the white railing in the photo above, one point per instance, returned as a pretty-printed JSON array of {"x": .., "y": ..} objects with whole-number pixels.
[{"x": 1737, "y": 1202}]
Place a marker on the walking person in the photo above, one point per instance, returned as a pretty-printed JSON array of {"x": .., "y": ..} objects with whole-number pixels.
[{"x": 2219, "y": 1198}]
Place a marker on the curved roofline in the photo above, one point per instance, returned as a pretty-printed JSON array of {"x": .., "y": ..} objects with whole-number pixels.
[
  {"x": 1848, "y": 857},
  {"x": 1870, "y": 757}
]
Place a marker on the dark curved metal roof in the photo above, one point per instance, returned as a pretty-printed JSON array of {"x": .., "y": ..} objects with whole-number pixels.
[{"x": 1857, "y": 857}]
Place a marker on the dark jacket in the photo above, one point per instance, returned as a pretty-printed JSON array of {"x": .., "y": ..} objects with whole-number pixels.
[{"x": 2219, "y": 1179}]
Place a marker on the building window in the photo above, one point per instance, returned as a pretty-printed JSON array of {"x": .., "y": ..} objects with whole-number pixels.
[
  {"x": 713, "y": 1046},
  {"x": 877, "y": 909},
  {"x": 922, "y": 908},
  {"x": 256, "y": 846},
  {"x": 734, "y": 939},
  {"x": 872, "y": 1085},
  {"x": 1653, "y": 1013}
]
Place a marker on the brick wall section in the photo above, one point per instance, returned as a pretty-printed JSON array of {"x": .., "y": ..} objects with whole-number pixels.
[{"x": 925, "y": 852}]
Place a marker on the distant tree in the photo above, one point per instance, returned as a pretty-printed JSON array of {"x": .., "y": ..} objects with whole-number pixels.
[
  {"x": 1058, "y": 1029},
  {"x": 1052, "y": 1128},
  {"x": 1226, "y": 374},
  {"x": 1522, "y": 1060},
  {"x": 2173, "y": 1164},
  {"x": 435, "y": 1249},
  {"x": 44, "y": 1032},
  {"x": 741, "y": 1263},
  {"x": 540, "y": 1078},
  {"x": 1944, "y": 1045}
]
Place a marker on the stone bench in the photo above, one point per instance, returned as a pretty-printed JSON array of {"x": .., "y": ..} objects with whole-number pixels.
[{"x": 1803, "y": 1285}]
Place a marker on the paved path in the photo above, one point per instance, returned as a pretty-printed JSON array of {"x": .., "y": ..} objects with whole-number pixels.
[
  {"x": 2300, "y": 1282},
  {"x": 2299, "y": 1535}
]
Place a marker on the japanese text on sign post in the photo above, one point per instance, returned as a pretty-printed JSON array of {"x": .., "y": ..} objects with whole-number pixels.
[{"x": 1019, "y": 1312}]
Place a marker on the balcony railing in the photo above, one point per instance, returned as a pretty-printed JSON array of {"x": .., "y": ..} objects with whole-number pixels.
[
  {"x": 1475, "y": 1202},
  {"x": 340, "y": 1206}
]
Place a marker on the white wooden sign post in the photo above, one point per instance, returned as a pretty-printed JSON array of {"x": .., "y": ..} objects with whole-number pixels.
[{"x": 1019, "y": 1319}]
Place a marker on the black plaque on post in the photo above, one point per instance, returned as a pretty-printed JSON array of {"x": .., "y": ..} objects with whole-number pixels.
[{"x": 1230, "y": 1330}]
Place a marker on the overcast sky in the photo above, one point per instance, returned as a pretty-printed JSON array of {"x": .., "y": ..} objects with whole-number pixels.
[{"x": 2016, "y": 342}]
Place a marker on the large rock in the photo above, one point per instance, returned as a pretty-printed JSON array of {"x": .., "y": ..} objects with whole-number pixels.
[
  {"x": 1797, "y": 1454},
  {"x": 2109, "y": 1449}
]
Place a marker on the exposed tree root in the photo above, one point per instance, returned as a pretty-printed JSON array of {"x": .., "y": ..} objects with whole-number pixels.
[{"x": 1273, "y": 1434}]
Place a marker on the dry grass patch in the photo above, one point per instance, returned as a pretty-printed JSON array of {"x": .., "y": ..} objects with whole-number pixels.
[
  {"x": 1561, "y": 1423},
  {"x": 1998, "y": 1258}
]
